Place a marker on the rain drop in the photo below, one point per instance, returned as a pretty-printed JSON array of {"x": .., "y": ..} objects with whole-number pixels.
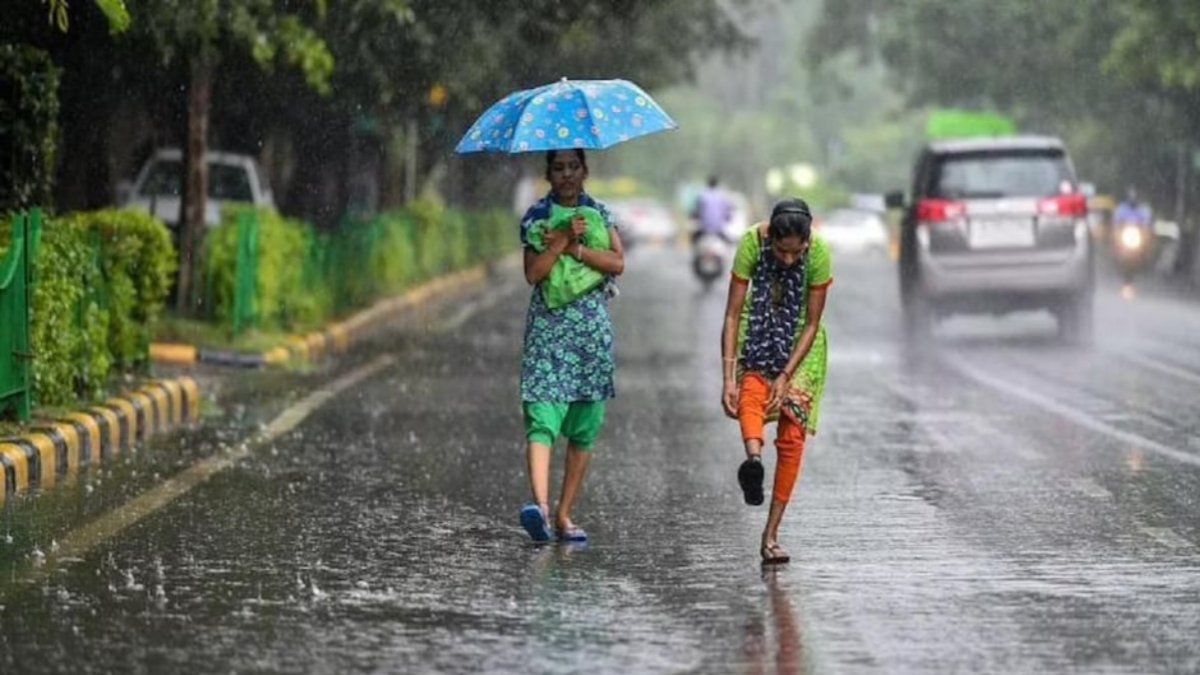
[{"x": 130, "y": 583}]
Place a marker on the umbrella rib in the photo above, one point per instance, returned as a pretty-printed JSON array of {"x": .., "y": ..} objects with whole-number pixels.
[{"x": 591, "y": 118}]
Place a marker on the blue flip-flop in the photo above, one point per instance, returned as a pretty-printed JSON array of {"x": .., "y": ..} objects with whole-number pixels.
[{"x": 534, "y": 522}]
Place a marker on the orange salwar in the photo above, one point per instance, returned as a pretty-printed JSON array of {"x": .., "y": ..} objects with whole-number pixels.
[{"x": 789, "y": 441}]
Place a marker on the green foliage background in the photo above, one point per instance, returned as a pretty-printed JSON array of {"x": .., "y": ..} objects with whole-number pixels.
[
  {"x": 29, "y": 131},
  {"x": 306, "y": 277}
]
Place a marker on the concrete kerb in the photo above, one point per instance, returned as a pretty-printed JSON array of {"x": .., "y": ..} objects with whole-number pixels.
[
  {"x": 54, "y": 449},
  {"x": 333, "y": 339}
]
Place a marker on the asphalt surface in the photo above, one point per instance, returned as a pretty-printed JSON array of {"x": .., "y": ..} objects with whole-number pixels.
[{"x": 989, "y": 501}]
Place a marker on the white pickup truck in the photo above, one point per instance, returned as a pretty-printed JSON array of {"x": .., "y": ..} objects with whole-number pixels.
[{"x": 231, "y": 178}]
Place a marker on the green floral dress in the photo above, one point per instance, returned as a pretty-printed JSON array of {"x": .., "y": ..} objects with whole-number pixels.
[
  {"x": 568, "y": 352},
  {"x": 809, "y": 379}
]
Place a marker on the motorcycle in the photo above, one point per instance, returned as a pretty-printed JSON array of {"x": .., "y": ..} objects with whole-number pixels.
[
  {"x": 711, "y": 256},
  {"x": 1132, "y": 249}
]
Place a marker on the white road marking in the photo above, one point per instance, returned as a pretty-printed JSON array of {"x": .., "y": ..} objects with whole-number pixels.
[
  {"x": 1070, "y": 414},
  {"x": 1164, "y": 368},
  {"x": 78, "y": 542},
  {"x": 1167, "y": 537},
  {"x": 471, "y": 307}
]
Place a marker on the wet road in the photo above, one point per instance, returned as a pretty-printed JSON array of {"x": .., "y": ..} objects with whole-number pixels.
[{"x": 989, "y": 502}]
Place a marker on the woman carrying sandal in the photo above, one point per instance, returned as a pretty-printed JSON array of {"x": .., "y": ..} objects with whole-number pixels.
[
  {"x": 567, "y": 367},
  {"x": 773, "y": 351}
]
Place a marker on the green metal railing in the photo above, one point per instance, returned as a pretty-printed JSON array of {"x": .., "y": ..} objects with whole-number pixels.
[
  {"x": 16, "y": 280},
  {"x": 245, "y": 294},
  {"x": 350, "y": 266}
]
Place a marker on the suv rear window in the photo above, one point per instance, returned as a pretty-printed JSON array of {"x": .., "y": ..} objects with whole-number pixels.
[
  {"x": 994, "y": 175},
  {"x": 225, "y": 181}
]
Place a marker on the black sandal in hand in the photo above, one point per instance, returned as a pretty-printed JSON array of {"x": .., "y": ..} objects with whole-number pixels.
[{"x": 750, "y": 478}]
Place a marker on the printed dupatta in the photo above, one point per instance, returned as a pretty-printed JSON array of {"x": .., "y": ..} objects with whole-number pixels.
[{"x": 778, "y": 296}]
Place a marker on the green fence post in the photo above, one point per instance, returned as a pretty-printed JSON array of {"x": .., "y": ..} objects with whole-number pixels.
[
  {"x": 33, "y": 240},
  {"x": 15, "y": 383},
  {"x": 245, "y": 293}
]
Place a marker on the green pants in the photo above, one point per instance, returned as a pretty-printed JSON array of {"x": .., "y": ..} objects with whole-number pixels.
[{"x": 579, "y": 421}]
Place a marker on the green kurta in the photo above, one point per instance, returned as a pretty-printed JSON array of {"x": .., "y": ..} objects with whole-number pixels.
[{"x": 810, "y": 376}]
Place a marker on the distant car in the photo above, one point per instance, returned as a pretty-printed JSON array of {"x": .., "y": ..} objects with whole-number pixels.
[
  {"x": 996, "y": 225},
  {"x": 853, "y": 231},
  {"x": 231, "y": 178},
  {"x": 643, "y": 219}
]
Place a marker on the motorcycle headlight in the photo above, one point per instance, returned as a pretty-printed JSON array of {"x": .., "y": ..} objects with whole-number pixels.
[{"x": 1131, "y": 237}]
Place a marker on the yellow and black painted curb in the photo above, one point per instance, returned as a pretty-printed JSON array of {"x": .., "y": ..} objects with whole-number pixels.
[
  {"x": 55, "y": 450},
  {"x": 335, "y": 338}
]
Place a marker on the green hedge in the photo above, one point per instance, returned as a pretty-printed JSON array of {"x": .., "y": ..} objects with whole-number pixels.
[
  {"x": 138, "y": 262},
  {"x": 358, "y": 263},
  {"x": 100, "y": 282},
  {"x": 287, "y": 296}
]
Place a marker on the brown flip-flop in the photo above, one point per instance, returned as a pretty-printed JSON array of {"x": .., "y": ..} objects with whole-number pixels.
[{"x": 773, "y": 554}]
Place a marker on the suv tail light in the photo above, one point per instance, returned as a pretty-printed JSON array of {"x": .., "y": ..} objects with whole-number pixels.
[
  {"x": 1072, "y": 206},
  {"x": 939, "y": 210}
]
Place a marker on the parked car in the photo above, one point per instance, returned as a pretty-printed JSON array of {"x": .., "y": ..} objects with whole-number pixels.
[
  {"x": 643, "y": 219},
  {"x": 995, "y": 225},
  {"x": 853, "y": 231},
  {"x": 231, "y": 178}
]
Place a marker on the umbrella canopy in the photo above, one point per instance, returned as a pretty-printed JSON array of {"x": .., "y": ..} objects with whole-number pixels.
[{"x": 593, "y": 114}]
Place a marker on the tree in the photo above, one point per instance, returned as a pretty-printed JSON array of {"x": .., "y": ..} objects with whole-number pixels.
[
  {"x": 197, "y": 33},
  {"x": 1157, "y": 47},
  {"x": 114, "y": 11},
  {"x": 1116, "y": 78},
  {"x": 375, "y": 62},
  {"x": 391, "y": 55}
]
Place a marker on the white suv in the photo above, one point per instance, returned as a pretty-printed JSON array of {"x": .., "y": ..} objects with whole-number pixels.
[
  {"x": 996, "y": 225},
  {"x": 231, "y": 178}
]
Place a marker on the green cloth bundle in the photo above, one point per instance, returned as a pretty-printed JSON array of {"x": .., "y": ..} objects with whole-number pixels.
[{"x": 569, "y": 279}]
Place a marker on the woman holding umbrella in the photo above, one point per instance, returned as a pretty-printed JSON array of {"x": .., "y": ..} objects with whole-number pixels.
[
  {"x": 572, "y": 253},
  {"x": 567, "y": 367}
]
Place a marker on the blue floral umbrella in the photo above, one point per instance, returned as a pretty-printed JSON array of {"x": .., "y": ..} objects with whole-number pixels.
[{"x": 593, "y": 114}]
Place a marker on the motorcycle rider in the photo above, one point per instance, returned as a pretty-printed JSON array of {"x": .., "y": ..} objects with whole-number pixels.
[
  {"x": 712, "y": 212},
  {"x": 1133, "y": 250},
  {"x": 1132, "y": 211}
]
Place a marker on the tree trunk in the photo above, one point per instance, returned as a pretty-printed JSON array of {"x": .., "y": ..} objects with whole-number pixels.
[{"x": 195, "y": 188}]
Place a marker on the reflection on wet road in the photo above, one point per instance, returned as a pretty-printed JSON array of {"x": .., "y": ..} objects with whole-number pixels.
[{"x": 988, "y": 502}]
